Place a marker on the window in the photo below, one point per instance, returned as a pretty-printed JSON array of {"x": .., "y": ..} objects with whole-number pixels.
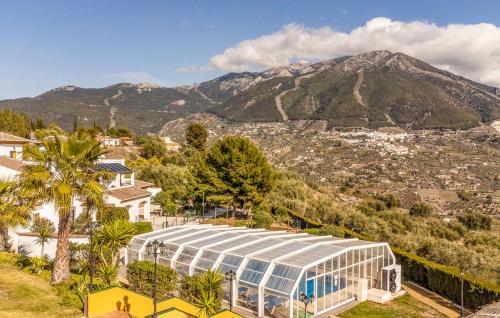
[{"x": 125, "y": 179}]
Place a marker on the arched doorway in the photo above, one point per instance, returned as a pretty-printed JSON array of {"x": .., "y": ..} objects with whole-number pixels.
[{"x": 141, "y": 210}]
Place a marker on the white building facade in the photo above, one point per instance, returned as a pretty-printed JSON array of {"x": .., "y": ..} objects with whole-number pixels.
[{"x": 122, "y": 191}]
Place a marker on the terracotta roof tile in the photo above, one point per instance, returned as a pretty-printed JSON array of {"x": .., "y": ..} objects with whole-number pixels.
[
  {"x": 11, "y": 163},
  {"x": 5, "y": 137},
  {"x": 143, "y": 184},
  {"x": 129, "y": 193}
]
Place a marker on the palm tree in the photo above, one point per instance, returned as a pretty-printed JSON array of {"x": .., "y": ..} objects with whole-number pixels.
[
  {"x": 61, "y": 172},
  {"x": 44, "y": 229},
  {"x": 13, "y": 211}
]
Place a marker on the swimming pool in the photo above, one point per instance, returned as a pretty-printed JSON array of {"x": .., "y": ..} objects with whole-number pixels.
[{"x": 329, "y": 287}]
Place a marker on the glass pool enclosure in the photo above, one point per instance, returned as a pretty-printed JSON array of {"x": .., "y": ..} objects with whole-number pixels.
[{"x": 275, "y": 270}]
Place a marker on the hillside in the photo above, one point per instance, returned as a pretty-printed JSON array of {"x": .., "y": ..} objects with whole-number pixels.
[{"x": 375, "y": 89}]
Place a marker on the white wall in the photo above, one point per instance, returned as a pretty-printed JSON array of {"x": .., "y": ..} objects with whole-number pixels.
[
  {"x": 7, "y": 174},
  {"x": 133, "y": 207},
  {"x": 113, "y": 142},
  {"x": 153, "y": 190},
  {"x": 48, "y": 211},
  {"x": 26, "y": 244},
  {"x": 5, "y": 150}
]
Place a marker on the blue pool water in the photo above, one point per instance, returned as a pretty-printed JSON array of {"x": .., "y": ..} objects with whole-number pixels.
[{"x": 328, "y": 287}]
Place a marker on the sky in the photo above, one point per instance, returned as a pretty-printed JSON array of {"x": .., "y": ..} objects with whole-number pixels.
[{"x": 47, "y": 44}]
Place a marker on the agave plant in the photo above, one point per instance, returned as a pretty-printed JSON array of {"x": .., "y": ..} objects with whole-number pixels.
[
  {"x": 211, "y": 281},
  {"x": 38, "y": 264},
  {"x": 207, "y": 304},
  {"x": 108, "y": 273},
  {"x": 111, "y": 238}
]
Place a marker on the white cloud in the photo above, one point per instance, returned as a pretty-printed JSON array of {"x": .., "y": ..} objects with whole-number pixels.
[
  {"x": 193, "y": 69},
  {"x": 470, "y": 50},
  {"x": 134, "y": 77}
]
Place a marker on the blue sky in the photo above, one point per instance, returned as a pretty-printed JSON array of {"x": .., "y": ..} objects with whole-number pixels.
[{"x": 46, "y": 44}]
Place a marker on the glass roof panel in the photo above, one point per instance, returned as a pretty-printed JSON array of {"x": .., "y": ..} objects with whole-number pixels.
[
  {"x": 282, "y": 250},
  {"x": 254, "y": 271},
  {"x": 194, "y": 236},
  {"x": 171, "y": 236},
  {"x": 283, "y": 278},
  {"x": 234, "y": 242},
  {"x": 352, "y": 243},
  {"x": 207, "y": 259},
  {"x": 258, "y": 245},
  {"x": 159, "y": 232},
  {"x": 230, "y": 262},
  {"x": 212, "y": 240},
  {"x": 311, "y": 255},
  {"x": 187, "y": 255}
]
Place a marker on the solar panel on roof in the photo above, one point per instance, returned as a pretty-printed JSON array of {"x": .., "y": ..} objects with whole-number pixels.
[{"x": 113, "y": 167}]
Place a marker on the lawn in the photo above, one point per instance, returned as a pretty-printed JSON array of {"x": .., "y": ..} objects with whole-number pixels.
[
  {"x": 402, "y": 307},
  {"x": 27, "y": 295}
]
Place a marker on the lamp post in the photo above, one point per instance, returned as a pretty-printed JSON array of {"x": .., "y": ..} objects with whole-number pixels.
[
  {"x": 461, "y": 293},
  {"x": 155, "y": 248},
  {"x": 306, "y": 300},
  {"x": 90, "y": 228},
  {"x": 203, "y": 206},
  {"x": 231, "y": 276}
]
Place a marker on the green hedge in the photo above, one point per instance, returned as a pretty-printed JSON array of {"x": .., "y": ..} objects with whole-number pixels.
[
  {"x": 140, "y": 275},
  {"x": 302, "y": 221},
  {"x": 142, "y": 227},
  {"x": 443, "y": 280},
  {"x": 109, "y": 214}
]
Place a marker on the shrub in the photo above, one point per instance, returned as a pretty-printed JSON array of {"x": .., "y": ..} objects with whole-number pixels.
[
  {"x": 300, "y": 220},
  {"x": 141, "y": 278},
  {"x": 420, "y": 209},
  {"x": 389, "y": 199},
  {"x": 445, "y": 280},
  {"x": 370, "y": 206},
  {"x": 193, "y": 287},
  {"x": 357, "y": 222},
  {"x": 262, "y": 219},
  {"x": 38, "y": 264},
  {"x": 109, "y": 214},
  {"x": 152, "y": 147},
  {"x": 23, "y": 261},
  {"x": 142, "y": 227},
  {"x": 189, "y": 288},
  {"x": 333, "y": 230},
  {"x": 475, "y": 221}
]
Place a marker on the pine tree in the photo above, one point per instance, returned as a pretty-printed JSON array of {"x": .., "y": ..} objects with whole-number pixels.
[
  {"x": 75, "y": 124},
  {"x": 196, "y": 136},
  {"x": 235, "y": 167}
]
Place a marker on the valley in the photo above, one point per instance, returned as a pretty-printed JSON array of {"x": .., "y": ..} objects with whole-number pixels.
[{"x": 454, "y": 171}]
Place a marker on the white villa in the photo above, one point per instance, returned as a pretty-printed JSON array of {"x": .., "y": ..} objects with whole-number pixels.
[
  {"x": 122, "y": 191},
  {"x": 107, "y": 141},
  {"x": 170, "y": 145}
]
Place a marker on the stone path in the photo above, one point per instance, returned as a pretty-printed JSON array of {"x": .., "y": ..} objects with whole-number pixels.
[{"x": 433, "y": 300}]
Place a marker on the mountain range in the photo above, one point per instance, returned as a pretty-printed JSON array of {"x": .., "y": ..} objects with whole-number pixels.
[{"x": 372, "y": 90}]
